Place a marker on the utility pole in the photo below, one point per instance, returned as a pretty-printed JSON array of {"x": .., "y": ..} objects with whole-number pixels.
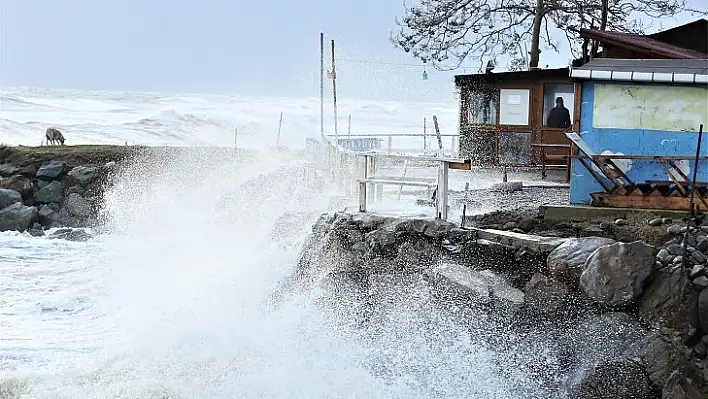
[
  {"x": 334, "y": 96},
  {"x": 322, "y": 84}
]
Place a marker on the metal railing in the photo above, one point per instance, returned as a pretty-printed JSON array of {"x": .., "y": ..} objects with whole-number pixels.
[{"x": 356, "y": 173}]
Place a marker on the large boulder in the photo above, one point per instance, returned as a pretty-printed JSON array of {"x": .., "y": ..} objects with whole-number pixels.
[
  {"x": 17, "y": 217},
  {"x": 19, "y": 183},
  {"x": 661, "y": 357},
  {"x": 52, "y": 192},
  {"x": 567, "y": 261},
  {"x": 82, "y": 175},
  {"x": 669, "y": 300},
  {"x": 9, "y": 197},
  {"x": 615, "y": 274},
  {"x": 51, "y": 170}
]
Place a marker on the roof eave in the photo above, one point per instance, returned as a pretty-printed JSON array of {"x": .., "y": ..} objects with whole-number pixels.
[{"x": 636, "y": 76}]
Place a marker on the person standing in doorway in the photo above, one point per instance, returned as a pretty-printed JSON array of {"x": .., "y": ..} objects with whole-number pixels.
[{"x": 559, "y": 117}]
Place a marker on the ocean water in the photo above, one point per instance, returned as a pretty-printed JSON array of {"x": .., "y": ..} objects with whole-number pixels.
[{"x": 174, "y": 296}]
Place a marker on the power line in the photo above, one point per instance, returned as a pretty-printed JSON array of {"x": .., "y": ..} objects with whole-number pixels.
[{"x": 421, "y": 65}]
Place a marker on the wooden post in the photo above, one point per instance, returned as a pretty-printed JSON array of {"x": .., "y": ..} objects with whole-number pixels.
[
  {"x": 390, "y": 144},
  {"x": 334, "y": 96},
  {"x": 425, "y": 134},
  {"x": 437, "y": 132},
  {"x": 235, "y": 138},
  {"x": 280, "y": 125},
  {"x": 349, "y": 126},
  {"x": 322, "y": 85},
  {"x": 441, "y": 196}
]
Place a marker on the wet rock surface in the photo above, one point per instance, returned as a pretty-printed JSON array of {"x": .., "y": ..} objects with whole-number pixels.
[{"x": 622, "y": 317}]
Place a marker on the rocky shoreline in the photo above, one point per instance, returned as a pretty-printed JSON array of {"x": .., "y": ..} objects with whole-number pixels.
[
  {"x": 47, "y": 187},
  {"x": 64, "y": 186},
  {"x": 629, "y": 319}
]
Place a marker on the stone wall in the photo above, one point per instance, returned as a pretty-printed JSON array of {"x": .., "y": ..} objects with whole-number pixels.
[{"x": 629, "y": 319}]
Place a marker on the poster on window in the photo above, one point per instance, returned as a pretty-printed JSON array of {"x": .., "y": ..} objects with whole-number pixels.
[{"x": 514, "y": 107}]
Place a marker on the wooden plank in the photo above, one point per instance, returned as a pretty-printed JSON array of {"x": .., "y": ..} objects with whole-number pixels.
[
  {"x": 679, "y": 203},
  {"x": 467, "y": 165},
  {"x": 398, "y": 182},
  {"x": 550, "y": 145}
]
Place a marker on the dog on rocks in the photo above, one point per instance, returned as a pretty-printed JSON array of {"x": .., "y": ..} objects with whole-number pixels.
[{"x": 54, "y": 136}]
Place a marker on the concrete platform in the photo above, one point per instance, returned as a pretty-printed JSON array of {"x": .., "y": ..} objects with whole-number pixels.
[
  {"x": 519, "y": 240},
  {"x": 567, "y": 212}
]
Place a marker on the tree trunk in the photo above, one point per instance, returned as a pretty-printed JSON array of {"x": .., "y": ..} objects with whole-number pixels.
[{"x": 536, "y": 35}]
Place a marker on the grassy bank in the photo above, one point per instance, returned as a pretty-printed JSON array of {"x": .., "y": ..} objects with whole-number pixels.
[{"x": 74, "y": 155}]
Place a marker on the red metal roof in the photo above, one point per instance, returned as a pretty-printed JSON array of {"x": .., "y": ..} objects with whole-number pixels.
[{"x": 642, "y": 44}]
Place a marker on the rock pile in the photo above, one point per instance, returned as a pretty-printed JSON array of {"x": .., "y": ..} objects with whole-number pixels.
[
  {"x": 51, "y": 195},
  {"x": 632, "y": 321}
]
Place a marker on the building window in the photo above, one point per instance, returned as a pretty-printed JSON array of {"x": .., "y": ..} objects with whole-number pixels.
[
  {"x": 558, "y": 105},
  {"x": 482, "y": 106},
  {"x": 514, "y": 107}
]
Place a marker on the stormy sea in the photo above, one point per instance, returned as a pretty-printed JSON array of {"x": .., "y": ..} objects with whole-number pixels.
[{"x": 173, "y": 297}]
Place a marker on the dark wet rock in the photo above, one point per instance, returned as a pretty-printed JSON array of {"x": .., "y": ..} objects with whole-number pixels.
[
  {"x": 697, "y": 270},
  {"x": 82, "y": 175},
  {"x": 7, "y": 170},
  {"x": 702, "y": 244},
  {"x": 9, "y": 197},
  {"x": 700, "y": 282},
  {"x": 661, "y": 356},
  {"x": 669, "y": 300},
  {"x": 699, "y": 257},
  {"x": 664, "y": 256},
  {"x": 597, "y": 339},
  {"x": 78, "y": 206},
  {"x": 703, "y": 309},
  {"x": 675, "y": 249},
  {"x": 615, "y": 274},
  {"x": 17, "y": 217},
  {"x": 75, "y": 190},
  {"x": 52, "y": 192},
  {"x": 36, "y": 230},
  {"x": 28, "y": 171},
  {"x": 19, "y": 183},
  {"x": 51, "y": 170},
  {"x": 656, "y": 222},
  {"x": 567, "y": 262},
  {"x": 71, "y": 235},
  {"x": 528, "y": 224},
  {"x": 617, "y": 379},
  {"x": 546, "y": 295},
  {"x": 48, "y": 214}
]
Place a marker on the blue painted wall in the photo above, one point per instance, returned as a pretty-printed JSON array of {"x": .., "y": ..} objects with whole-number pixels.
[{"x": 629, "y": 142}]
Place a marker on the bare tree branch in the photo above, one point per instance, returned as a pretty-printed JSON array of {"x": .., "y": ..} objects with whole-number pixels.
[{"x": 440, "y": 31}]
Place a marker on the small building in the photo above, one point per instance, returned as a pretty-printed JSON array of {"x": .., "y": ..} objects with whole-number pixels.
[
  {"x": 645, "y": 112},
  {"x": 504, "y": 116},
  {"x": 688, "y": 41}
]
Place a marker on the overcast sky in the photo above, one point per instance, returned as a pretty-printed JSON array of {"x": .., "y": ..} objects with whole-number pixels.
[{"x": 233, "y": 46}]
